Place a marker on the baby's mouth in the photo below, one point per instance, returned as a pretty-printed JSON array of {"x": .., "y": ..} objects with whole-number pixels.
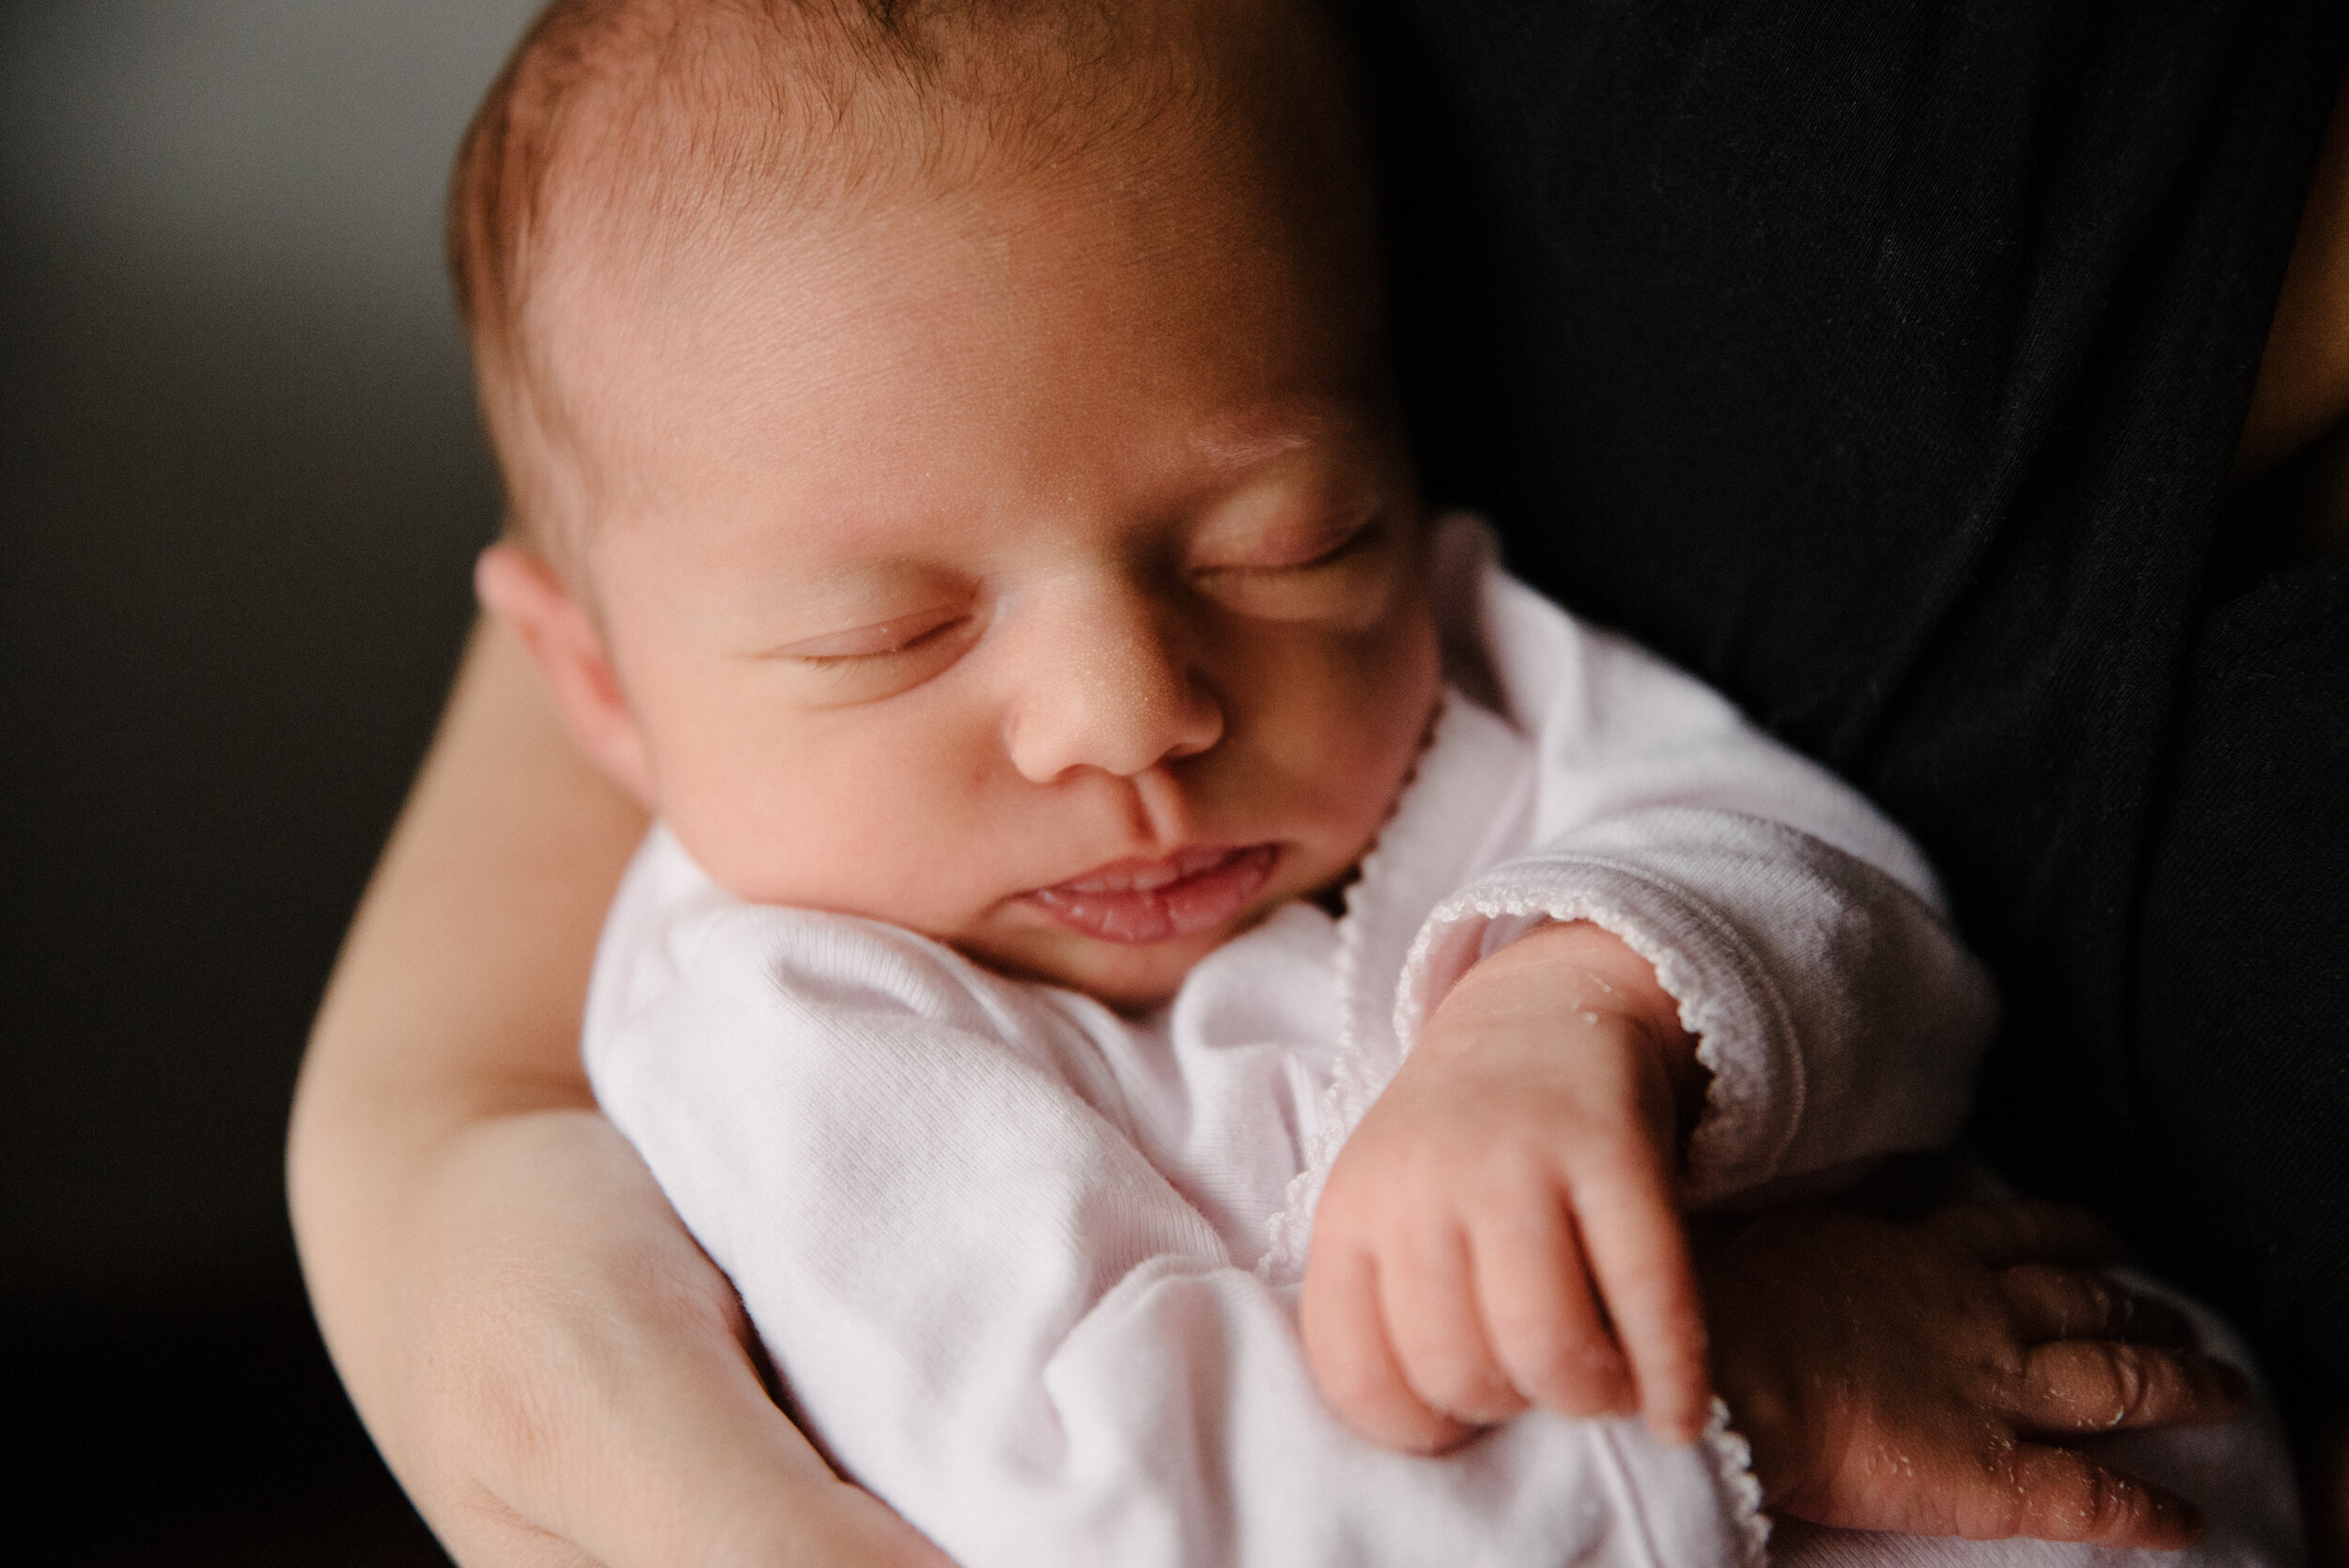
[{"x": 1150, "y": 901}]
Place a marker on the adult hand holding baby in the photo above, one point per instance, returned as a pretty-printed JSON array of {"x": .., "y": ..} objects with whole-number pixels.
[
  {"x": 601, "y": 1408},
  {"x": 1920, "y": 1377}
]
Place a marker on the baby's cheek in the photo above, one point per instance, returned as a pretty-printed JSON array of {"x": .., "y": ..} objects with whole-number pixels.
[
  {"x": 1384, "y": 700},
  {"x": 1333, "y": 738},
  {"x": 779, "y": 831}
]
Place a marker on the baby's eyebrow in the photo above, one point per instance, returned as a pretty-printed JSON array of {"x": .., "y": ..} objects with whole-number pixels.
[{"x": 1244, "y": 440}]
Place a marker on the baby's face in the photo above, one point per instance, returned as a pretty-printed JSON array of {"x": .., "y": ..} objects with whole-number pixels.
[{"x": 1036, "y": 569}]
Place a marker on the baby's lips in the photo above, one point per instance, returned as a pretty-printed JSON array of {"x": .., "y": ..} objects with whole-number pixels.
[
  {"x": 1143, "y": 876},
  {"x": 1151, "y": 901}
]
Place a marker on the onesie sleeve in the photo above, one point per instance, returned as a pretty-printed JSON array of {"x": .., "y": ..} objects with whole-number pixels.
[
  {"x": 993, "y": 1312},
  {"x": 1800, "y": 933}
]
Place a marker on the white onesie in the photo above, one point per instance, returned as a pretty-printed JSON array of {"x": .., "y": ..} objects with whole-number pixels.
[{"x": 1029, "y": 1268}]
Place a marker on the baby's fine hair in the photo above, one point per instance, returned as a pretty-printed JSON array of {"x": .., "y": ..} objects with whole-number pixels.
[{"x": 659, "y": 130}]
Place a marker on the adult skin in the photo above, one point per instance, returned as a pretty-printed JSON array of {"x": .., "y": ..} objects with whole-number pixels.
[{"x": 548, "y": 1363}]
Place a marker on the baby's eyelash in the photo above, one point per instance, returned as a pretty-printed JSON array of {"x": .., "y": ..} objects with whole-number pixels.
[
  {"x": 1363, "y": 535},
  {"x": 1360, "y": 537},
  {"x": 835, "y": 660}
]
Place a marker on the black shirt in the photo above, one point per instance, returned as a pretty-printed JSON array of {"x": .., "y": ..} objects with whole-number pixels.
[{"x": 1881, "y": 362}]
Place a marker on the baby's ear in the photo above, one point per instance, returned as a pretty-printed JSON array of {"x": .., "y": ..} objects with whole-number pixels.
[{"x": 523, "y": 591}]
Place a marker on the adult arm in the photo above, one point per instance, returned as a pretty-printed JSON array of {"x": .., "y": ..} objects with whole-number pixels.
[{"x": 552, "y": 1368}]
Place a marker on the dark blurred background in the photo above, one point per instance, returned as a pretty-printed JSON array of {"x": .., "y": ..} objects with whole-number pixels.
[{"x": 240, "y": 491}]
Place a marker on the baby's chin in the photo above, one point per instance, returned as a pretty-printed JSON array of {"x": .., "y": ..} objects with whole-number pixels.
[{"x": 1131, "y": 977}]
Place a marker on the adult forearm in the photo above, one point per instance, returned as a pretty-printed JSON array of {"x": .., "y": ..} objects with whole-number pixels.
[
  {"x": 555, "y": 1372},
  {"x": 551, "y": 1366}
]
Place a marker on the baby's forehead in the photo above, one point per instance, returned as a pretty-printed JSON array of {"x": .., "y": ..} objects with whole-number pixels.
[
  {"x": 634, "y": 150},
  {"x": 700, "y": 120}
]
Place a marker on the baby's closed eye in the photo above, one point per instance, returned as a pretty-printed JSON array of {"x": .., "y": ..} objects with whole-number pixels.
[
  {"x": 1333, "y": 569},
  {"x": 898, "y": 635},
  {"x": 879, "y": 658}
]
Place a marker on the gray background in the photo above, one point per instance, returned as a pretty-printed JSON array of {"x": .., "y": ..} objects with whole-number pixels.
[{"x": 240, "y": 490}]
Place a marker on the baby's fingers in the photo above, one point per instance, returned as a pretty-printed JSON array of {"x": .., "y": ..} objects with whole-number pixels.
[
  {"x": 1638, "y": 1253},
  {"x": 2095, "y": 1385},
  {"x": 1426, "y": 1294},
  {"x": 1543, "y": 1322},
  {"x": 1346, "y": 1344}
]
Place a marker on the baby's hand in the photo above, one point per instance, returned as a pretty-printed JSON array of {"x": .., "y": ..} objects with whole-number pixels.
[
  {"x": 1502, "y": 1230},
  {"x": 1910, "y": 1378}
]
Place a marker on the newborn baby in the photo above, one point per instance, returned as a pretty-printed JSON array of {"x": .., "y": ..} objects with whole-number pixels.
[{"x": 1156, "y": 1060}]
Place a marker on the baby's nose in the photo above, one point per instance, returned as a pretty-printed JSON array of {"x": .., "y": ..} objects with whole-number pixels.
[{"x": 1109, "y": 684}]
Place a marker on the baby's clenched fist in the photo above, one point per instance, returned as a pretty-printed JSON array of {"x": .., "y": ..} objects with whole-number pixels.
[{"x": 1502, "y": 1230}]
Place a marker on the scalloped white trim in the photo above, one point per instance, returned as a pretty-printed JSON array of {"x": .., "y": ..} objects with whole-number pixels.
[
  {"x": 1734, "y": 1087},
  {"x": 1724, "y": 994},
  {"x": 1354, "y": 1079},
  {"x": 1352, "y": 1087},
  {"x": 1732, "y": 1462}
]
